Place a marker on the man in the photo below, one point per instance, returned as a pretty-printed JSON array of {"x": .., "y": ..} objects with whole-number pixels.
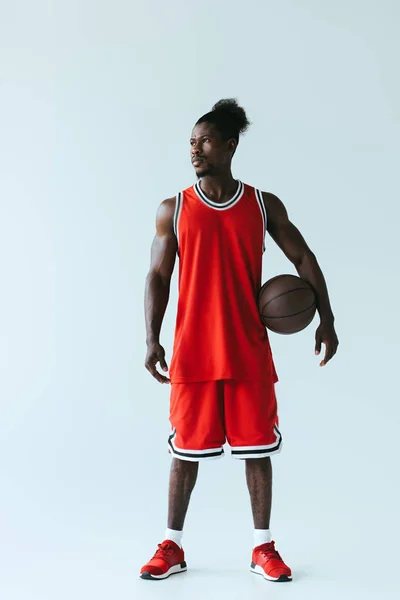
[{"x": 222, "y": 371}]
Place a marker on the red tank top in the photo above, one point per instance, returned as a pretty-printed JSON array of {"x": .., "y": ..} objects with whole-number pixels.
[{"x": 219, "y": 334}]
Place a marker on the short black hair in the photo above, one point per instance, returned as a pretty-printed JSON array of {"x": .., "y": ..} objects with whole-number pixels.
[{"x": 228, "y": 117}]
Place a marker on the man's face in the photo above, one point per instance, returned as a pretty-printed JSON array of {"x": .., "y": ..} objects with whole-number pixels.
[{"x": 208, "y": 152}]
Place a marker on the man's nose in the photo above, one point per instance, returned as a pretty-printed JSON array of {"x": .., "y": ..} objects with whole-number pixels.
[{"x": 196, "y": 149}]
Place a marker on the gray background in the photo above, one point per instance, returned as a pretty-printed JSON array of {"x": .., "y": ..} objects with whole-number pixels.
[{"x": 97, "y": 102}]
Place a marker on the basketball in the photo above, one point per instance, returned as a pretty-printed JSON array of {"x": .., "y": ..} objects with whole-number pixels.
[{"x": 287, "y": 304}]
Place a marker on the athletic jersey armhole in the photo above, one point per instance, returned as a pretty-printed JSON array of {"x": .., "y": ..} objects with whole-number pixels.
[
  {"x": 177, "y": 214},
  {"x": 261, "y": 205}
]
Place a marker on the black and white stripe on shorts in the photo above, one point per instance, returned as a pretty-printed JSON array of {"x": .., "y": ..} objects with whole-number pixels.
[
  {"x": 259, "y": 451},
  {"x": 192, "y": 455}
]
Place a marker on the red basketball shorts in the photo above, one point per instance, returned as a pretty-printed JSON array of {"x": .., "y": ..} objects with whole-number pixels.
[{"x": 205, "y": 415}]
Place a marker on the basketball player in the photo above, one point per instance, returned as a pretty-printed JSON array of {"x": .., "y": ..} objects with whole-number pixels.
[{"x": 222, "y": 371}]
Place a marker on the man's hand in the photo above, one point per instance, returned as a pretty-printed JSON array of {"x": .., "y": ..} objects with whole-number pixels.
[
  {"x": 326, "y": 334},
  {"x": 155, "y": 354}
]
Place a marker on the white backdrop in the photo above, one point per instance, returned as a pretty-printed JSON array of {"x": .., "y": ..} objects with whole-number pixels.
[{"x": 97, "y": 102}]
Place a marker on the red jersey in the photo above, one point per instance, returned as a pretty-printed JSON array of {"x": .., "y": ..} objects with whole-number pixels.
[{"x": 219, "y": 333}]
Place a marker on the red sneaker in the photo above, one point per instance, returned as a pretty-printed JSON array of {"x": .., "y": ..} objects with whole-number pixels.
[
  {"x": 267, "y": 561},
  {"x": 168, "y": 559}
]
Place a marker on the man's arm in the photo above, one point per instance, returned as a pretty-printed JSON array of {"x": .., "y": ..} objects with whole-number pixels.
[
  {"x": 163, "y": 255},
  {"x": 292, "y": 243}
]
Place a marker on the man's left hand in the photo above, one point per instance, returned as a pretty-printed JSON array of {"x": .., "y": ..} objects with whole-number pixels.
[{"x": 326, "y": 334}]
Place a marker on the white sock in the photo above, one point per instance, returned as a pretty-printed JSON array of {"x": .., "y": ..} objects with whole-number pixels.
[
  {"x": 174, "y": 536},
  {"x": 262, "y": 536}
]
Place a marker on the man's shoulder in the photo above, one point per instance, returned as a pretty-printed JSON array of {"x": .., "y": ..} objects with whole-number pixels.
[
  {"x": 264, "y": 194},
  {"x": 166, "y": 213},
  {"x": 168, "y": 205},
  {"x": 270, "y": 200}
]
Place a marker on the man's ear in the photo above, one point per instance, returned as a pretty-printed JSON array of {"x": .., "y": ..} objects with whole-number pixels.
[{"x": 232, "y": 145}]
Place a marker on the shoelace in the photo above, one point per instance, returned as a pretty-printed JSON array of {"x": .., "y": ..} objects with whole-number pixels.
[
  {"x": 164, "y": 550},
  {"x": 268, "y": 551}
]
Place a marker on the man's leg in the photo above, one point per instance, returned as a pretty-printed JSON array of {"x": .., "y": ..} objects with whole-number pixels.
[
  {"x": 195, "y": 417},
  {"x": 197, "y": 426},
  {"x": 170, "y": 557},
  {"x": 259, "y": 483},
  {"x": 265, "y": 559},
  {"x": 254, "y": 436},
  {"x": 181, "y": 483}
]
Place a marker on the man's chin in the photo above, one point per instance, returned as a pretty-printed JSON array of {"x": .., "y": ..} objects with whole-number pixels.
[{"x": 204, "y": 172}]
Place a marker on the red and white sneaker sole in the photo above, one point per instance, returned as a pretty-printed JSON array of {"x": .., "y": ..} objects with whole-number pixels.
[
  {"x": 181, "y": 568},
  {"x": 260, "y": 571}
]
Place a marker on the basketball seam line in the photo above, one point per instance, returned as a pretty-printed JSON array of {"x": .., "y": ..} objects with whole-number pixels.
[
  {"x": 284, "y": 293},
  {"x": 292, "y": 315}
]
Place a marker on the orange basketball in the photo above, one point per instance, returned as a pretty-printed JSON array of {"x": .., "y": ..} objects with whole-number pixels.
[{"x": 287, "y": 304}]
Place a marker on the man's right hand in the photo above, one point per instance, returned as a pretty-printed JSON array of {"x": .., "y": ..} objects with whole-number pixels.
[{"x": 155, "y": 354}]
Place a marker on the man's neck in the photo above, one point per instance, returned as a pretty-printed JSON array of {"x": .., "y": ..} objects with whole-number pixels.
[{"x": 219, "y": 188}]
